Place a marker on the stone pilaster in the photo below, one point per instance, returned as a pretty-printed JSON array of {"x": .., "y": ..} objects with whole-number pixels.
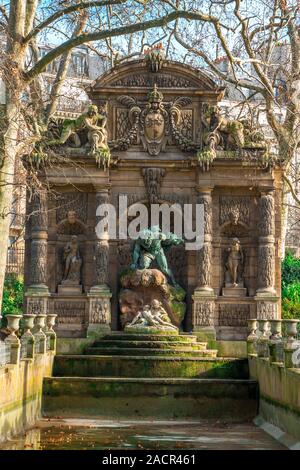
[
  {"x": 37, "y": 293},
  {"x": 204, "y": 304},
  {"x": 266, "y": 294},
  {"x": 100, "y": 295}
]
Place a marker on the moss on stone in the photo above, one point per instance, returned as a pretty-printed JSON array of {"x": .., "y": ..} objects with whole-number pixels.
[
  {"x": 147, "y": 366},
  {"x": 177, "y": 293}
]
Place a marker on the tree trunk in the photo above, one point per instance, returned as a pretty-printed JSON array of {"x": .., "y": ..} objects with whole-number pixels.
[
  {"x": 284, "y": 217},
  {"x": 7, "y": 180}
]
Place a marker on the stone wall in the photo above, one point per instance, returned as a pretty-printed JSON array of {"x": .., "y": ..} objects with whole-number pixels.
[
  {"x": 21, "y": 393},
  {"x": 279, "y": 398}
]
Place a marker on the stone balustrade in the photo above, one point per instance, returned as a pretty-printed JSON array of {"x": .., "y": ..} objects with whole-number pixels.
[
  {"x": 275, "y": 340},
  {"x": 274, "y": 362},
  {"x": 26, "y": 357},
  {"x": 37, "y": 337}
]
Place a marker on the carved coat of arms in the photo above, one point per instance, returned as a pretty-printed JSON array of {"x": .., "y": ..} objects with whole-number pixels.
[{"x": 155, "y": 124}]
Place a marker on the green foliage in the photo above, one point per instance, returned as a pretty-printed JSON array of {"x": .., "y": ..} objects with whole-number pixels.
[
  {"x": 205, "y": 155},
  {"x": 290, "y": 270},
  {"x": 290, "y": 287},
  {"x": 13, "y": 295}
]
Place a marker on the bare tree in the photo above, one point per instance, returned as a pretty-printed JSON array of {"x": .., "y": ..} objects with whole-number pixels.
[
  {"x": 24, "y": 23},
  {"x": 259, "y": 41},
  {"x": 246, "y": 33}
]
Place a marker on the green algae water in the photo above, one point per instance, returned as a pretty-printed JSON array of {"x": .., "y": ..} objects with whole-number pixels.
[{"x": 79, "y": 434}]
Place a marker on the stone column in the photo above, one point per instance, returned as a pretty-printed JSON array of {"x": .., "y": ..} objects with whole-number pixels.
[
  {"x": 37, "y": 293},
  {"x": 266, "y": 294},
  {"x": 100, "y": 294},
  {"x": 204, "y": 297}
]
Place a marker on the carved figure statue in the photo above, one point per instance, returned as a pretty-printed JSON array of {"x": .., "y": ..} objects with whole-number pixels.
[
  {"x": 235, "y": 263},
  {"x": 95, "y": 123},
  {"x": 159, "y": 313},
  {"x": 155, "y": 56},
  {"x": 153, "y": 315},
  {"x": 230, "y": 131},
  {"x": 150, "y": 246},
  {"x": 72, "y": 262}
]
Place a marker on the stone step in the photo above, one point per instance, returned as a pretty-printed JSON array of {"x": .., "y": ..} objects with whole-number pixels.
[
  {"x": 148, "y": 344},
  {"x": 122, "y": 336},
  {"x": 134, "y": 398},
  {"x": 149, "y": 366},
  {"x": 151, "y": 352}
]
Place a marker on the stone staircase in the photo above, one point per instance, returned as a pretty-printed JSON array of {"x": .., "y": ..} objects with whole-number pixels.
[{"x": 150, "y": 376}]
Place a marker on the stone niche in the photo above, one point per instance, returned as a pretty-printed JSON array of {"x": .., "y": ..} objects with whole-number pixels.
[{"x": 156, "y": 143}]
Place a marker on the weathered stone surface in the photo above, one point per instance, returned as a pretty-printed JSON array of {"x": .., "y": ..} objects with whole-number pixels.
[
  {"x": 21, "y": 394},
  {"x": 145, "y": 398},
  {"x": 141, "y": 287},
  {"x": 147, "y": 170}
]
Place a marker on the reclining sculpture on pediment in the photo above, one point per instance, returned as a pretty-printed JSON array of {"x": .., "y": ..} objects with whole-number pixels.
[
  {"x": 221, "y": 133},
  {"x": 88, "y": 131}
]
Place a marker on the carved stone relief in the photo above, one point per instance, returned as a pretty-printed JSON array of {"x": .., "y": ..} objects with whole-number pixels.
[
  {"x": 38, "y": 212},
  {"x": 38, "y": 262},
  {"x": 100, "y": 311},
  {"x": 266, "y": 310},
  {"x": 186, "y": 123},
  {"x": 36, "y": 306},
  {"x": 76, "y": 202},
  {"x": 70, "y": 312},
  {"x": 161, "y": 80},
  {"x": 234, "y": 231},
  {"x": 234, "y": 209},
  {"x": 266, "y": 215},
  {"x": 203, "y": 314},
  {"x": 152, "y": 179},
  {"x": 204, "y": 256},
  {"x": 101, "y": 261},
  {"x": 156, "y": 123},
  {"x": 233, "y": 314},
  {"x": 122, "y": 122},
  {"x": 155, "y": 120},
  {"x": 206, "y": 200},
  {"x": 71, "y": 225},
  {"x": 266, "y": 256},
  {"x": 174, "y": 198}
]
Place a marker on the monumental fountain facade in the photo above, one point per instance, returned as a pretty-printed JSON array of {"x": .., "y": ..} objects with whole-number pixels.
[{"x": 155, "y": 135}]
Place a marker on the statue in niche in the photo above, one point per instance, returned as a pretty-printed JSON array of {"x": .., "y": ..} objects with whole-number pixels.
[
  {"x": 234, "y": 265},
  {"x": 71, "y": 225},
  {"x": 72, "y": 262},
  {"x": 153, "y": 315},
  {"x": 151, "y": 245}
]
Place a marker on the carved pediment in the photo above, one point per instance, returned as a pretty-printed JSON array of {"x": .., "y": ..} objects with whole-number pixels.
[
  {"x": 148, "y": 81},
  {"x": 155, "y": 104},
  {"x": 170, "y": 75}
]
